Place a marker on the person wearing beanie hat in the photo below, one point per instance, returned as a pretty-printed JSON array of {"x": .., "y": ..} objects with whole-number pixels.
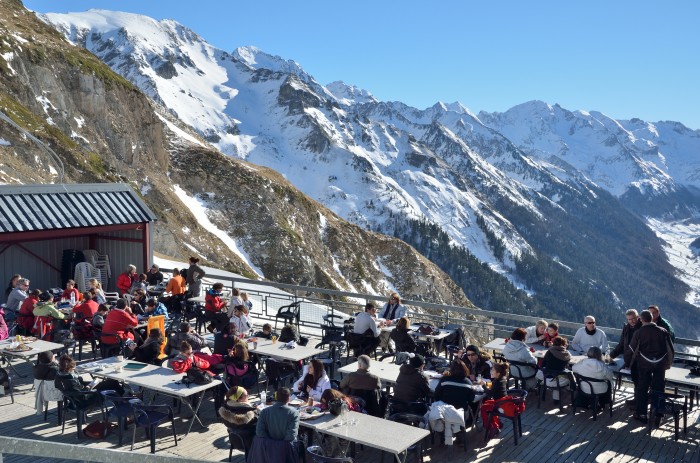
[
  {"x": 236, "y": 412},
  {"x": 477, "y": 362},
  {"x": 411, "y": 385}
]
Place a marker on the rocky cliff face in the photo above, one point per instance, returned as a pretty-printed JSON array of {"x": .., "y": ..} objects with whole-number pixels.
[{"x": 104, "y": 129}]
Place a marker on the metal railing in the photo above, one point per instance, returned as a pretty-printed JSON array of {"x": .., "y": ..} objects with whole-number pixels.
[{"x": 479, "y": 324}]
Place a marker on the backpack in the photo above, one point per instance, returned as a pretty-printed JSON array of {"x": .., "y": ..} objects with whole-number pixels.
[
  {"x": 426, "y": 328},
  {"x": 196, "y": 375},
  {"x": 97, "y": 429}
]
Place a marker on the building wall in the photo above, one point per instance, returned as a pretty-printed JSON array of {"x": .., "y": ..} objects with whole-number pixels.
[{"x": 42, "y": 276}]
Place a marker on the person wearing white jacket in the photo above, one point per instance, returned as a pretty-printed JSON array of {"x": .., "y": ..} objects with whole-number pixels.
[
  {"x": 593, "y": 367},
  {"x": 313, "y": 381},
  {"x": 589, "y": 336},
  {"x": 517, "y": 350},
  {"x": 536, "y": 333},
  {"x": 444, "y": 417}
]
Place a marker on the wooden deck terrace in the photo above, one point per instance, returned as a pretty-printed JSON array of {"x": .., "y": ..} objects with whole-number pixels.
[{"x": 548, "y": 435}]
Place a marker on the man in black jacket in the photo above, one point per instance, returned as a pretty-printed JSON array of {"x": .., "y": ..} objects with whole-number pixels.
[
  {"x": 632, "y": 325},
  {"x": 649, "y": 354},
  {"x": 662, "y": 322}
]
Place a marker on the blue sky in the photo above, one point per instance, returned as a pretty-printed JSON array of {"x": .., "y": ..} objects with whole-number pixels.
[{"x": 623, "y": 58}]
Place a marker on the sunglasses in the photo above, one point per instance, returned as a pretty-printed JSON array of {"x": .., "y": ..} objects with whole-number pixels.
[{"x": 590, "y": 323}]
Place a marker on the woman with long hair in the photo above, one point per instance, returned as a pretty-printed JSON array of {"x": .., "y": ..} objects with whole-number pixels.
[
  {"x": 313, "y": 381},
  {"x": 402, "y": 338},
  {"x": 99, "y": 292},
  {"x": 149, "y": 351}
]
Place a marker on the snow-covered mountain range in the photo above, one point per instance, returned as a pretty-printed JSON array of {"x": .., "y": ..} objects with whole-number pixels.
[{"x": 498, "y": 184}]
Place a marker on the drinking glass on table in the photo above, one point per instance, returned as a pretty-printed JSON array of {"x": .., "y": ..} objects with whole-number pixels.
[{"x": 274, "y": 339}]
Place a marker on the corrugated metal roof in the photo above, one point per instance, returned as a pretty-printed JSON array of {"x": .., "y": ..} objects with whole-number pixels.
[{"x": 50, "y": 207}]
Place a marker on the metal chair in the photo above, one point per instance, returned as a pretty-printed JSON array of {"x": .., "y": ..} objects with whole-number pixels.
[
  {"x": 290, "y": 314},
  {"x": 82, "y": 333},
  {"x": 561, "y": 380},
  {"x": 516, "y": 399},
  {"x": 121, "y": 410},
  {"x": 235, "y": 436},
  {"x": 461, "y": 395},
  {"x": 315, "y": 454},
  {"x": 277, "y": 371},
  {"x": 6, "y": 382},
  {"x": 595, "y": 389},
  {"x": 664, "y": 403},
  {"x": 149, "y": 417},
  {"x": 80, "y": 402},
  {"x": 521, "y": 372}
]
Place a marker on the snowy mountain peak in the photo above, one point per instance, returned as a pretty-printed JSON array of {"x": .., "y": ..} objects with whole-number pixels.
[
  {"x": 258, "y": 59},
  {"x": 350, "y": 94}
]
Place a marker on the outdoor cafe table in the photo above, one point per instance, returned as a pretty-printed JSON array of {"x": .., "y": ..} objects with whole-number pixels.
[
  {"x": 158, "y": 379},
  {"x": 36, "y": 347},
  {"x": 389, "y": 372},
  {"x": 277, "y": 350},
  {"x": 385, "y": 435}
]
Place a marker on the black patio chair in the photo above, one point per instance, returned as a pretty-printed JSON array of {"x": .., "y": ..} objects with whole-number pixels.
[
  {"x": 315, "y": 455},
  {"x": 598, "y": 391},
  {"x": 150, "y": 417},
  {"x": 664, "y": 403},
  {"x": 562, "y": 380},
  {"x": 6, "y": 382},
  {"x": 517, "y": 398},
  {"x": 290, "y": 314}
]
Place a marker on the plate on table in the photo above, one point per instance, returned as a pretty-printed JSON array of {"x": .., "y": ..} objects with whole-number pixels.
[
  {"x": 296, "y": 402},
  {"x": 18, "y": 349},
  {"x": 310, "y": 413}
]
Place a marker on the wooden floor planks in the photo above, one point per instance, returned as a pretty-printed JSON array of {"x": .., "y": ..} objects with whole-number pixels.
[{"x": 548, "y": 436}]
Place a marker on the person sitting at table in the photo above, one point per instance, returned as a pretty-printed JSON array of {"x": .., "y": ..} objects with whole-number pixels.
[
  {"x": 289, "y": 333},
  {"x": 119, "y": 324},
  {"x": 225, "y": 339},
  {"x": 313, "y": 380},
  {"x": 411, "y": 385},
  {"x": 246, "y": 301},
  {"x": 141, "y": 282},
  {"x": 497, "y": 390},
  {"x": 154, "y": 308},
  {"x": 46, "y": 315},
  {"x": 4, "y": 330},
  {"x": 279, "y": 421},
  {"x": 593, "y": 367},
  {"x": 366, "y": 327},
  {"x": 240, "y": 319},
  {"x": 138, "y": 302},
  {"x": 236, "y": 412},
  {"x": 478, "y": 363},
  {"x": 186, "y": 359},
  {"x": 556, "y": 358},
  {"x": 98, "y": 320},
  {"x": 184, "y": 333},
  {"x": 176, "y": 284},
  {"x": 71, "y": 290},
  {"x": 403, "y": 341},
  {"x": 67, "y": 380},
  {"x": 99, "y": 297},
  {"x": 126, "y": 279},
  {"x": 12, "y": 284},
  {"x": 215, "y": 308},
  {"x": 236, "y": 300},
  {"x": 266, "y": 332},
  {"x": 25, "y": 317},
  {"x": 87, "y": 309},
  {"x": 149, "y": 351},
  {"x": 333, "y": 446},
  {"x": 589, "y": 336},
  {"x": 393, "y": 310},
  {"x": 517, "y": 350},
  {"x": 458, "y": 373},
  {"x": 15, "y": 298},
  {"x": 361, "y": 379},
  {"x": 536, "y": 334},
  {"x": 237, "y": 363},
  {"x": 154, "y": 277}
]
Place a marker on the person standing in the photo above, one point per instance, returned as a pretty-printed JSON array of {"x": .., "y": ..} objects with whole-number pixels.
[
  {"x": 194, "y": 277},
  {"x": 662, "y": 322},
  {"x": 126, "y": 279},
  {"x": 632, "y": 325},
  {"x": 649, "y": 354}
]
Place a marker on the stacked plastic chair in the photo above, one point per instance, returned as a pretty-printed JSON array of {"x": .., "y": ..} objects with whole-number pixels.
[
  {"x": 85, "y": 271},
  {"x": 100, "y": 261}
]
